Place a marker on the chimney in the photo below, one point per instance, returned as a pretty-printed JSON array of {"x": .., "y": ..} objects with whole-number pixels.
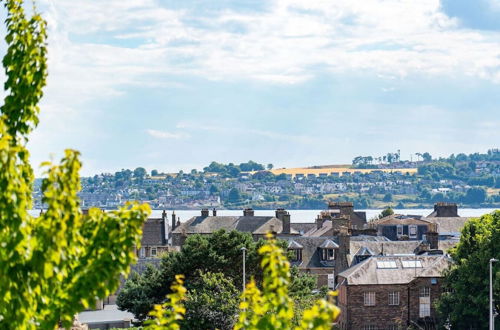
[
  {"x": 432, "y": 236},
  {"x": 248, "y": 212},
  {"x": 173, "y": 221},
  {"x": 214, "y": 212},
  {"x": 446, "y": 209},
  {"x": 319, "y": 222},
  {"x": 204, "y": 213},
  {"x": 345, "y": 208},
  {"x": 279, "y": 213},
  {"x": 344, "y": 250},
  {"x": 164, "y": 215},
  {"x": 286, "y": 223}
]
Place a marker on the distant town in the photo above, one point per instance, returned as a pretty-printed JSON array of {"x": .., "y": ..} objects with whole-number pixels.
[{"x": 369, "y": 182}]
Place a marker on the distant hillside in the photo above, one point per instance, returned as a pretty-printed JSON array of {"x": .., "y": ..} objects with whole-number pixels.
[{"x": 317, "y": 170}]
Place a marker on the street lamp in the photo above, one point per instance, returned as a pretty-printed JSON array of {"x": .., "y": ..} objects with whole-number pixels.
[
  {"x": 244, "y": 249},
  {"x": 492, "y": 317}
]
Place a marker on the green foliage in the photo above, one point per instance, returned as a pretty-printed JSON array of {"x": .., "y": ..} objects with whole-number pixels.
[
  {"x": 272, "y": 307},
  {"x": 475, "y": 195},
  {"x": 168, "y": 315},
  {"x": 234, "y": 196},
  {"x": 216, "y": 253},
  {"x": 386, "y": 212},
  {"x": 466, "y": 306},
  {"x": 387, "y": 197},
  {"x": 211, "y": 303},
  {"x": 53, "y": 266}
]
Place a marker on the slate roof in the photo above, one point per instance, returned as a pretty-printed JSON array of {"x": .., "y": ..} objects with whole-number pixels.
[
  {"x": 400, "y": 221},
  {"x": 370, "y": 238},
  {"x": 448, "y": 225},
  {"x": 153, "y": 232},
  {"x": 303, "y": 227},
  {"x": 311, "y": 251},
  {"x": 315, "y": 232},
  {"x": 387, "y": 247},
  {"x": 252, "y": 224},
  {"x": 329, "y": 244},
  {"x": 367, "y": 272}
]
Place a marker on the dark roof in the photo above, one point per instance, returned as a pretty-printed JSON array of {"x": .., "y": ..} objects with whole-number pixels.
[
  {"x": 400, "y": 221},
  {"x": 294, "y": 245},
  {"x": 385, "y": 247},
  {"x": 370, "y": 238},
  {"x": 311, "y": 251},
  {"x": 251, "y": 224},
  {"x": 303, "y": 227},
  {"x": 329, "y": 244},
  {"x": 364, "y": 251},
  {"x": 368, "y": 272},
  {"x": 153, "y": 232}
]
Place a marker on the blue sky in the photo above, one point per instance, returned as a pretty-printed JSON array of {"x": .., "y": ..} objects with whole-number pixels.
[{"x": 173, "y": 85}]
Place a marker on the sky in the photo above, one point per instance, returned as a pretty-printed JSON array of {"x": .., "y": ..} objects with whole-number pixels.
[{"x": 173, "y": 85}]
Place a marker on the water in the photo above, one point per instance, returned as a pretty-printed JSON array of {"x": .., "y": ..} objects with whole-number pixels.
[{"x": 305, "y": 215}]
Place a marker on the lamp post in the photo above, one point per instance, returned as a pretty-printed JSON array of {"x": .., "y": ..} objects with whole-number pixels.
[
  {"x": 492, "y": 317},
  {"x": 244, "y": 249}
]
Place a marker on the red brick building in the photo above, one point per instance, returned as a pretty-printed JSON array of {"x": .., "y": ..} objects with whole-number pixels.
[{"x": 391, "y": 292}]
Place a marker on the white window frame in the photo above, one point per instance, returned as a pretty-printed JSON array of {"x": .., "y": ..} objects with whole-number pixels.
[
  {"x": 394, "y": 298},
  {"x": 399, "y": 230},
  {"x": 369, "y": 327},
  {"x": 424, "y": 309},
  {"x": 414, "y": 229},
  {"x": 154, "y": 251},
  {"x": 369, "y": 298},
  {"x": 142, "y": 252}
]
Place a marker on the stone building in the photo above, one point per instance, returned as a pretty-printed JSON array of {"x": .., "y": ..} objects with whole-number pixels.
[
  {"x": 391, "y": 292},
  {"x": 258, "y": 226},
  {"x": 154, "y": 238}
]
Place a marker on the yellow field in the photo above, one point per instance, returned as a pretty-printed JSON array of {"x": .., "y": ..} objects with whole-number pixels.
[{"x": 332, "y": 169}]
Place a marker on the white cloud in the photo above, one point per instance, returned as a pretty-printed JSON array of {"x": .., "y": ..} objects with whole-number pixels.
[
  {"x": 288, "y": 43},
  {"x": 167, "y": 135}
]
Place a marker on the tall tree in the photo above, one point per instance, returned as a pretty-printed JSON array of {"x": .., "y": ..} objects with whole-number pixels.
[
  {"x": 466, "y": 304},
  {"x": 53, "y": 266}
]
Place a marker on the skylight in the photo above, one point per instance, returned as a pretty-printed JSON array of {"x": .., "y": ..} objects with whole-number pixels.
[
  {"x": 412, "y": 264},
  {"x": 386, "y": 264}
]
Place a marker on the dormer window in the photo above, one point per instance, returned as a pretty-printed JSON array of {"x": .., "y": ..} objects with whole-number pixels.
[
  {"x": 327, "y": 250},
  {"x": 296, "y": 249},
  {"x": 328, "y": 254},
  {"x": 297, "y": 255}
]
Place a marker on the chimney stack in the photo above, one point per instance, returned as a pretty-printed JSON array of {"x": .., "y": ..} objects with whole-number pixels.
[
  {"x": 279, "y": 213},
  {"x": 204, "y": 213},
  {"x": 344, "y": 249},
  {"x": 173, "y": 221},
  {"x": 164, "y": 215},
  {"x": 319, "y": 222},
  {"x": 432, "y": 236},
  {"x": 214, "y": 212},
  {"x": 286, "y": 223},
  {"x": 443, "y": 209},
  {"x": 248, "y": 212}
]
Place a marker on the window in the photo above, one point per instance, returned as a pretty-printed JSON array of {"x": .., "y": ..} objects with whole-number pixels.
[
  {"x": 296, "y": 254},
  {"x": 369, "y": 298},
  {"x": 411, "y": 264},
  {"x": 425, "y": 291},
  {"x": 425, "y": 302},
  {"x": 331, "y": 281},
  {"x": 413, "y": 231},
  {"x": 400, "y": 230},
  {"x": 328, "y": 254},
  {"x": 369, "y": 327},
  {"x": 386, "y": 264},
  {"x": 154, "y": 252},
  {"x": 394, "y": 298},
  {"x": 142, "y": 252}
]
